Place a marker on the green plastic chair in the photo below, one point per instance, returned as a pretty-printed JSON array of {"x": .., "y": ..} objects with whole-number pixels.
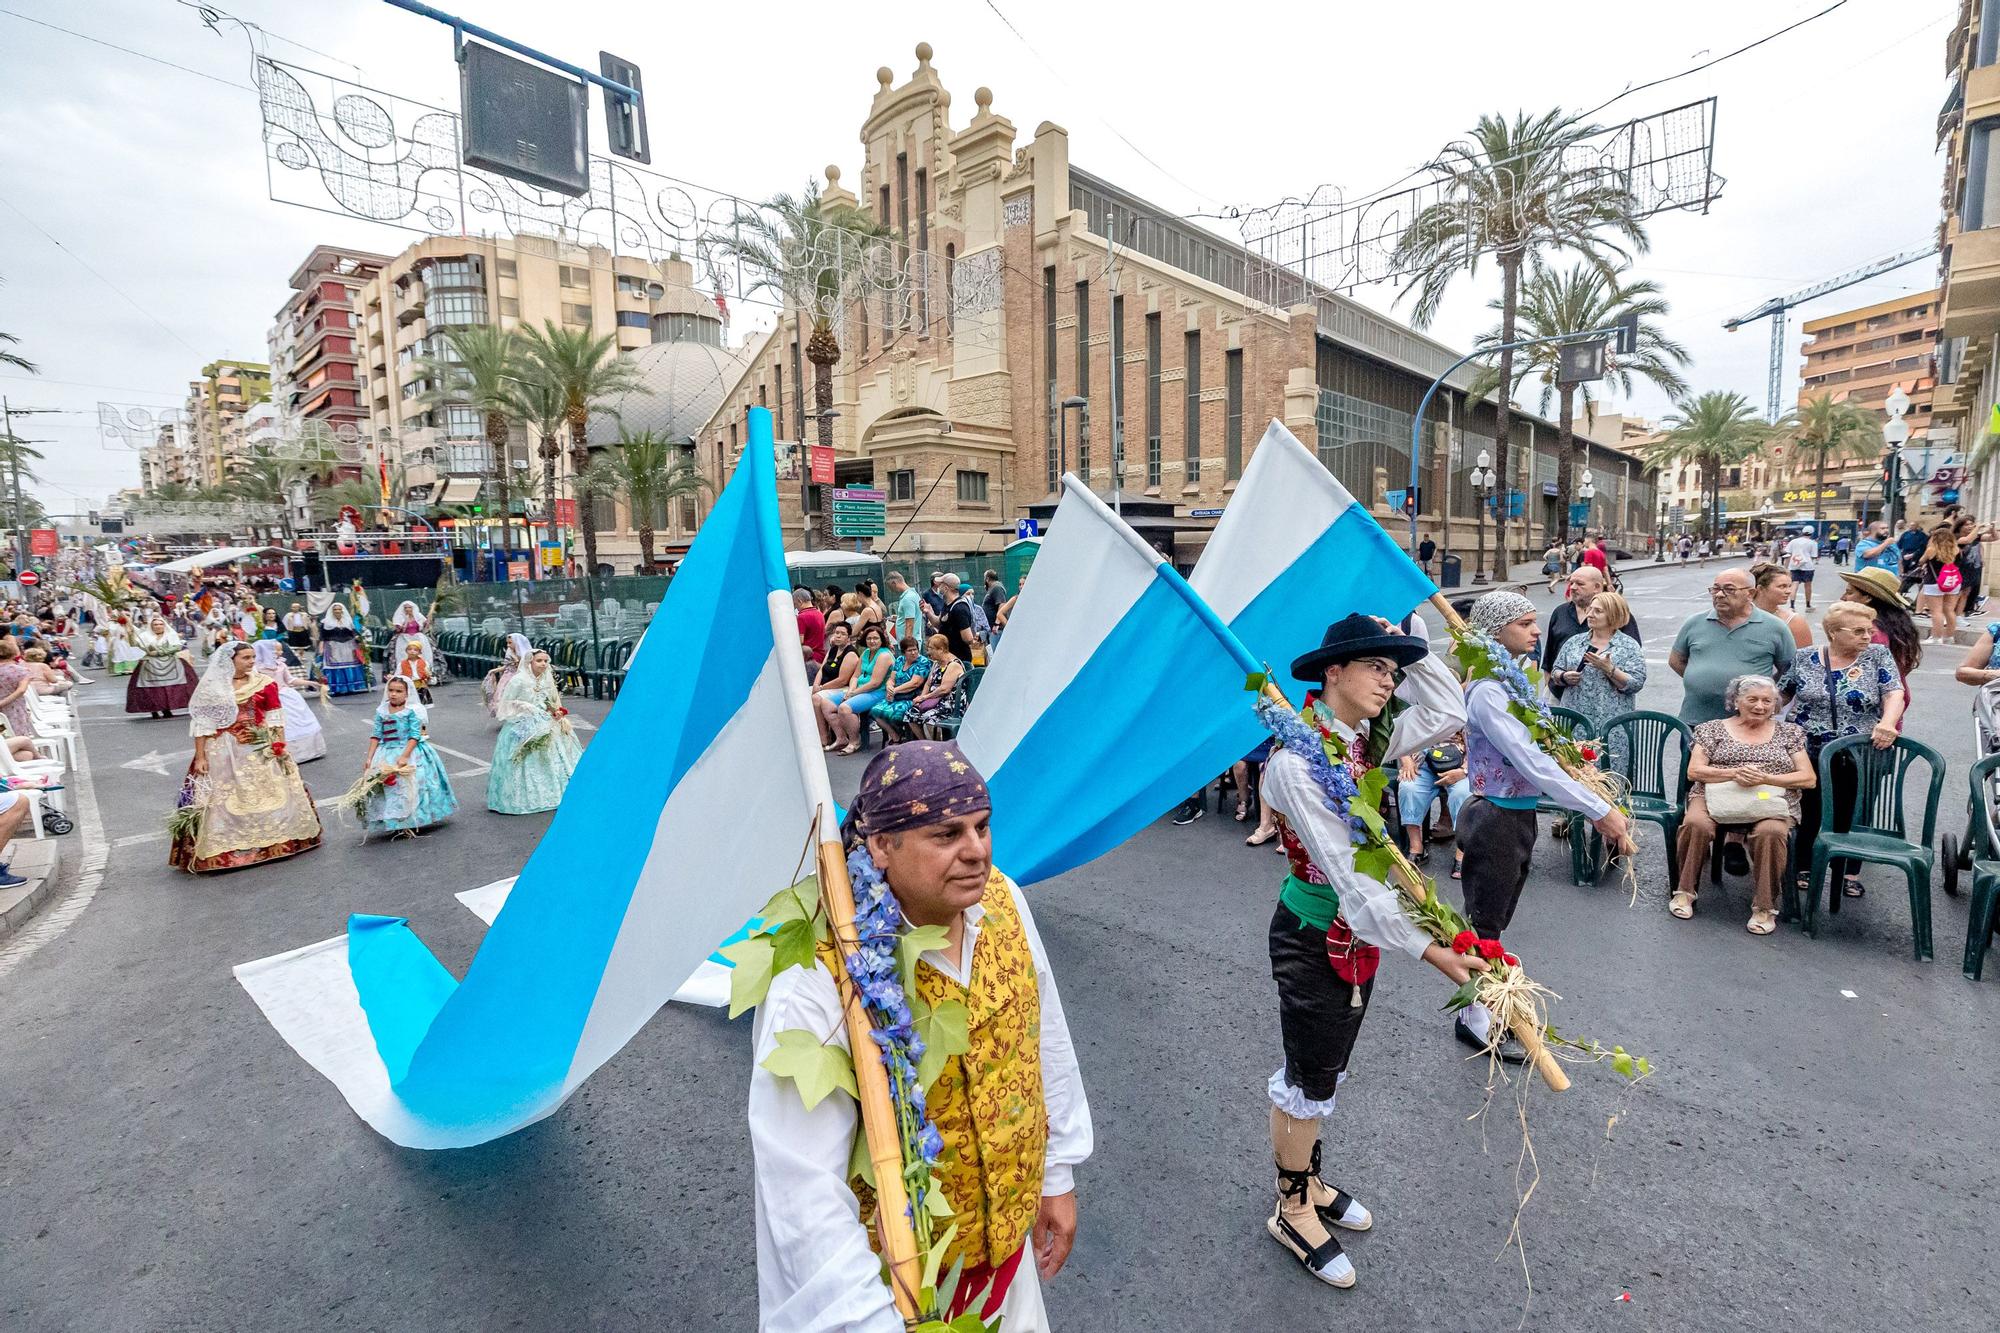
[
  {"x": 1876, "y": 831},
  {"x": 1983, "y": 846},
  {"x": 1657, "y": 783},
  {"x": 1583, "y": 863}
]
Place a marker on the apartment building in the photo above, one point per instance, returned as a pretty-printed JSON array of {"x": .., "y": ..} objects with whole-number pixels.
[
  {"x": 215, "y": 410},
  {"x": 442, "y": 283},
  {"x": 1968, "y": 366},
  {"x": 1859, "y": 357},
  {"x": 315, "y": 350}
]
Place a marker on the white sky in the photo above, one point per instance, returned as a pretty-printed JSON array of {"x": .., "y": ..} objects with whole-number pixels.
[{"x": 172, "y": 255}]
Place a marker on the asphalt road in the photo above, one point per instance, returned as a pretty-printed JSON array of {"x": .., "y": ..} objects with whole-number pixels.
[{"x": 1808, "y": 1153}]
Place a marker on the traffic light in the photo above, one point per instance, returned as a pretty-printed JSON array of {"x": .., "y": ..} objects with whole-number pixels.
[{"x": 624, "y": 122}]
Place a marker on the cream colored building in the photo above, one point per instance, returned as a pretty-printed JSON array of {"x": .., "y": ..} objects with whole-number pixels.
[
  {"x": 1968, "y": 354},
  {"x": 217, "y": 404},
  {"x": 443, "y": 282},
  {"x": 950, "y": 389},
  {"x": 1859, "y": 357}
]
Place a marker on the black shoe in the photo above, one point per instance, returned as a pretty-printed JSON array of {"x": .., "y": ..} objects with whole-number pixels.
[
  {"x": 1187, "y": 814},
  {"x": 1735, "y": 859},
  {"x": 1328, "y": 1262},
  {"x": 1509, "y": 1050},
  {"x": 1335, "y": 1214},
  {"x": 1463, "y": 1031}
]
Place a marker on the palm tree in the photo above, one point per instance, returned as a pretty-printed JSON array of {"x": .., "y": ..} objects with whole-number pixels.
[
  {"x": 804, "y": 249},
  {"x": 652, "y": 472},
  {"x": 583, "y": 372},
  {"x": 1824, "y": 429},
  {"x": 1711, "y": 432},
  {"x": 482, "y": 368},
  {"x": 1515, "y": 191},
  {"x": 540, "y": 403},
  {"x": 11, "y": 359},
  {"x": 354, "y": 492},
  {"x": 1582, "y": 298}
]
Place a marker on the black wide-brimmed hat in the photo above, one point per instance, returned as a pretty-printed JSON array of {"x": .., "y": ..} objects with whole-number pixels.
[{"x": 1357, "y": 636}]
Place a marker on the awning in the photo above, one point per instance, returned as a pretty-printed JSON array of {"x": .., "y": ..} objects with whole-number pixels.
[
  {"x": 460, "y": 490},
  {"x": 221, "y": 555},
  {"x": 829, "y": 559}
]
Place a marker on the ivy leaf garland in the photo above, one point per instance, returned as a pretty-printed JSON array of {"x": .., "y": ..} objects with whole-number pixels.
[{"x": 814, "y": 1066}]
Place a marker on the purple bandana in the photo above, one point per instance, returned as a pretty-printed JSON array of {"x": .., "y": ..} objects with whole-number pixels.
[{"x": 914, "y": 784}]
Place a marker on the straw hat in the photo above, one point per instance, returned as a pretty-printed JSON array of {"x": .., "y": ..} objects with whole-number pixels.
[{"x": 1877, "y": 585}]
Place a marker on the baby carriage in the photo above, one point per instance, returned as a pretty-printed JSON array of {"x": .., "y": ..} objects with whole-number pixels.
[{"x": 1956, "y": 855}]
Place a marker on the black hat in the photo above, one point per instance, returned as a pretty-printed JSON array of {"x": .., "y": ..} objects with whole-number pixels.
[{"x": 1357, "y": 636}]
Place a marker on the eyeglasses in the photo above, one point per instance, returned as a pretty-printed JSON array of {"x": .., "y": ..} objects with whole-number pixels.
[
  {"x": 1380, "y": 666},
  {"x": 1727, "y": 587}
]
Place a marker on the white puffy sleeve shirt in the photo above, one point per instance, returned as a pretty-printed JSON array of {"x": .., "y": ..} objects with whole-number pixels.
[{"x": 815, "y": 1270}]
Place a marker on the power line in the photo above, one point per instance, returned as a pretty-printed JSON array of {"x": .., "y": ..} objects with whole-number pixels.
[
  {"x": 99, "y": 276},
  {"x": 88, "y": 384},
  {"x": 1711, "y": 64},
  {"x": 84, "y": 36}
]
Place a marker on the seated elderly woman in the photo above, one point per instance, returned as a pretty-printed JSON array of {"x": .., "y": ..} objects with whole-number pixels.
[{"x": 1745, "y": 769}]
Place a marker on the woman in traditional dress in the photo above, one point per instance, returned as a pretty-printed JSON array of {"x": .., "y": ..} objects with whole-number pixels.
[
  {"x": 254, "y": 806},
  {"x": 304, "y": 736},
  {"x": 165, "y": 680},
  {"x": 411, "y": 627},
  {"x": 125, "y": 650},
  {"x": 298, "y": 628},
  {"x": 268, "y": 626},
  {"x": 421, "y": 795},
  {"x": 518, "y": 652},
  {"x": 537, "y": 749},
  {"x": 341, "y": 662}
]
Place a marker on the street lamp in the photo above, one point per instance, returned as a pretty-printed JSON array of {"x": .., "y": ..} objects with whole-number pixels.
[
  {"x": 1062, "y": 432},
  {"x": 1660, "y": 549},
  {"x": 1482, "y": 487},
  {"x": 1586, "y": 491}
]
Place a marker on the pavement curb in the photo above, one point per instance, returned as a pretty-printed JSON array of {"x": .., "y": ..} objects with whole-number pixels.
[{"x": 18, "y": 906}]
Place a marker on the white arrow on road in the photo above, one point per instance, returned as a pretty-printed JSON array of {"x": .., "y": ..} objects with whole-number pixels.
[{"x": 148, "y": 763}]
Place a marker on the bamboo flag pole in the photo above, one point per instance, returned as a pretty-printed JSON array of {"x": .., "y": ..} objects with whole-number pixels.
[{"x": 879, "y": 1122}]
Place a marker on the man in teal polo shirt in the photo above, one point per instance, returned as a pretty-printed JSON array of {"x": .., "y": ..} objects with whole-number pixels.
[
  {"x": 1733, "y": 639},
  {"x": 1877, "y": 550}
]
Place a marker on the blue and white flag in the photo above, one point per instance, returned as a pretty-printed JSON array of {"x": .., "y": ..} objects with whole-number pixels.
[
  {"x": 691, "y": 807},
  {"x": 1115, "y": 693},
  {"x": 1294, "y": 552},
  {"x": 1120, "y": 687}
]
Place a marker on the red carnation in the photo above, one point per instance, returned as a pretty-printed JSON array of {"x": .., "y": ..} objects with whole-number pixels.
[
  {"x": 389, "y": 781},
  {"x": 1463, "y": 942},
  {"x": 1589, "y": 752},
  {"x": 278, "y": 748},
  {"x": 562, "y": 712},
  {"x": 1510, "y": 960},
  {"x": 1490, "y": 949}
]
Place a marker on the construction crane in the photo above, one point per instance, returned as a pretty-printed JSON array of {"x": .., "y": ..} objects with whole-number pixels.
[{"x": 1776, "y": 307}]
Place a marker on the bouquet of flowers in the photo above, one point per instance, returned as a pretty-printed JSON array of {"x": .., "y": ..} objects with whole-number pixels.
[
  {"x": 914, "y": 1040},
  {"x": 268, "y": 742},
  {"x": 185, "y": 819},
  {"x": 371, "y": 784},
  {"x": 1517, "y": 1004}
]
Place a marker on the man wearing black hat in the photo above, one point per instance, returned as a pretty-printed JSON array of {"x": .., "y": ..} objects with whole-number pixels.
[{"x": 1332, "y": 922}]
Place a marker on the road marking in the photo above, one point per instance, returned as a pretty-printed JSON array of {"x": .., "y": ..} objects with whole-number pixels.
[
  {"x": 151, "y": 762},
  {"x": 135, "y": 839},
  {"x": 479, "y": 765},
  {"x": 56, "y": 918}
]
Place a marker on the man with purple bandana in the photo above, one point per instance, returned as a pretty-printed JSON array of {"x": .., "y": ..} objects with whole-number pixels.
[{"x": 1011, "y": 1110}]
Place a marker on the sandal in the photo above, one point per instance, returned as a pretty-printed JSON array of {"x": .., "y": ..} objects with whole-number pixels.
[
  {"x": 850, "y": 749},
  {"x": 1762, "y": 922},
  {"x": 1259, "y": 839},
  {"x": 1458, "y": 869},
  {"x": 1242, "y": 811},
  {"x": 1681, "y": 904},
  {"x": 1853, "y": 887}
]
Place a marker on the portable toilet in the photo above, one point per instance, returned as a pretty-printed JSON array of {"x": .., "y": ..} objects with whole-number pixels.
[{"x": 1015, "y": 560}]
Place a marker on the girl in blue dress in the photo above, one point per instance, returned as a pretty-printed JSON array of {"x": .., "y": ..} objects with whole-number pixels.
[
  {"x": 341, "y": 663},
  {"x": 421, "y": 795}
]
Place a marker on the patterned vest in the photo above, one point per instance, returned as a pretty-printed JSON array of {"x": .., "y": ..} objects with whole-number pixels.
[
  {"x": 987, "y": 1103},
  {"x": 1492, "y": 774}
]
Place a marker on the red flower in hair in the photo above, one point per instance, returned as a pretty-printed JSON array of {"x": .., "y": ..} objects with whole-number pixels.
[
  {"x": 1490, "y": 949},
  {"x": 1463, "y": 942}
]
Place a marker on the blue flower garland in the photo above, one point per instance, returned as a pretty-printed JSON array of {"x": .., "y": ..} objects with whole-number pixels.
[
  {"x": 878, "y": 927},
  {"x": 1335, "y": 781}
]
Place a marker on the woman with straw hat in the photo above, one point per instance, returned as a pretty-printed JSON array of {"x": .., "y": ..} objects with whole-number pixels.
[{"x": 1881, "y": 589}]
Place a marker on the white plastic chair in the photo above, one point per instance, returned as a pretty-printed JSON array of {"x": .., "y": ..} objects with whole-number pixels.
[
  {"x": 52, "y": 725},
  {"x": 30, "y": 771}
]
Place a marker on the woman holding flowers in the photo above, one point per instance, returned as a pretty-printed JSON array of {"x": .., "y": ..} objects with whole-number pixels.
[
  {"x": 997, "y": 1125},
  {"x": 243, "y": 801},
  {"x": 537, "y": 749},
  {"x": 1510, "y": 772},
  {"x": 165, "y": 679},
  {"x": 1333, "y": 921},
  {"x": 414, "y": 793}
]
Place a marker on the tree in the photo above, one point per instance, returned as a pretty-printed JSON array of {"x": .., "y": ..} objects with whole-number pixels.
[
  {"x": 482, "y": 368},
  {"x": 1824, "y": 429},
  {"x": 804, "y": 248},
  {"x": 1583, "y": 297},
  {"x": 652, "y": 472},
  {"x": 583, "y": 372},
  {"x": 1711, "y": 432},
  {"x": 353, "y": 492},
  {"x": 11, "y": 359},
  {"x": 541, "y": 404},
  {"x": 1514, "y": 191}
]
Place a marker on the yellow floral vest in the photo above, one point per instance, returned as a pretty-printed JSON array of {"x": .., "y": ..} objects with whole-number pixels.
[{"x": 987, "y": 1103}]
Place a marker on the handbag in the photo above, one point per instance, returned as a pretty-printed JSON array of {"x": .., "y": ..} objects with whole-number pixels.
[{"x": 1734, "y": 803}]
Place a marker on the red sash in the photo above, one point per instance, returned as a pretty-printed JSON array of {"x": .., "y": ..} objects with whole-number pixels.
[{"x": 993, "y": 1280}]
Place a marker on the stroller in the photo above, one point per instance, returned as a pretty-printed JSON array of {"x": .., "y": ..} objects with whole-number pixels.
[{"x": 1956, "y": 855}]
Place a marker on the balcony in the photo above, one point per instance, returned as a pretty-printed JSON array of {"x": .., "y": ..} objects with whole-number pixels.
[
  {"x": 1972, "y": 287},
  {"x": 409, "y": 303}
]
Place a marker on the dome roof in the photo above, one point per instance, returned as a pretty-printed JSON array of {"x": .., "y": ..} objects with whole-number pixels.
[{"x": 683, "y": 384}]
